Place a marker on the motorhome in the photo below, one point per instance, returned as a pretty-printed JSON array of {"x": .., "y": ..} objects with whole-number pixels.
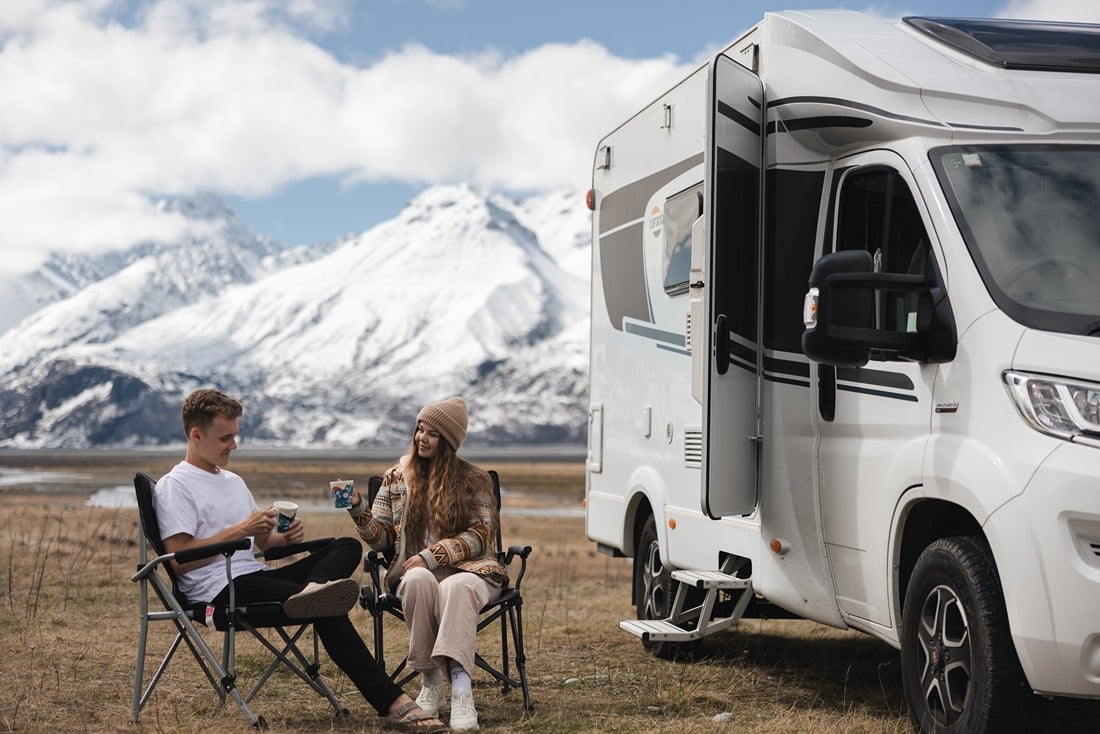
[{"x": 845, "y": 350}]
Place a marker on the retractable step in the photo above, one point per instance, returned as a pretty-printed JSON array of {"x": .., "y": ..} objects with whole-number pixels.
[
  {"x": 711, "y": 580},
  {"x": 659, "y": 630},
  {"x": 698, "y": 618}
]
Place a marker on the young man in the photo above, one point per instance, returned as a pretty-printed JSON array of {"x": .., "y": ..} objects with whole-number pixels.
[{"x": 200, "y": 502}]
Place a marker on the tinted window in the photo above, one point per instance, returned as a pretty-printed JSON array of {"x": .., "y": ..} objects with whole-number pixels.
[
  {"x": 681, "y": 211},
  {"x": 878, "y": 214},
  {"x": 793, "y": 201},
  {"x": 1028, "y": 214}
]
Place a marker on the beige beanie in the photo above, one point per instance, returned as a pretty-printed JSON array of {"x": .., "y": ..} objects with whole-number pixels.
[{"x": 448, "y": 417}]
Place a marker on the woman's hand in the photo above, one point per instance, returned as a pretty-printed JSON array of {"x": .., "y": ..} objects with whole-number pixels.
[{"x": 415, "y": 561}]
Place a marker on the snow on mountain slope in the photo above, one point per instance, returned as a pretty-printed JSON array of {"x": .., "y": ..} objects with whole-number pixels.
[
  {"x": 118, "y": 290},
  {"x": 563, "y": 223},
  {"x": 458, "y": 294}
]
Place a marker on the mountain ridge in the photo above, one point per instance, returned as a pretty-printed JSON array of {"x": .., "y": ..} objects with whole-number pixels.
[{"x": 335, "y": 346}]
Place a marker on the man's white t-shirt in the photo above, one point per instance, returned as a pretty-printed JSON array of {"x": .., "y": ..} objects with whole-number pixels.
[{"x": 201, "y": 504}]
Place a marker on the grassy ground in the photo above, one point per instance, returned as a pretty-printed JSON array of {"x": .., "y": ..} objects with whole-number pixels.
[{"x": 68, "y": 626}]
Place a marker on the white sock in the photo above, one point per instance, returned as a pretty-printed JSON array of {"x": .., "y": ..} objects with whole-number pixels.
[
  {"x": 460, "y": 681},
  {"x": 433, "y": 676}
]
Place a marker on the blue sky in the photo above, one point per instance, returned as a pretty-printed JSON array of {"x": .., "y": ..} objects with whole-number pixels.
[
  {"x": 317, "y": 118},
  {"x": 639, "y": 29}
]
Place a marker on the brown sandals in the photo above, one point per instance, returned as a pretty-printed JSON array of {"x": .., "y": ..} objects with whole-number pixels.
[{"x": 410, "y": 717}]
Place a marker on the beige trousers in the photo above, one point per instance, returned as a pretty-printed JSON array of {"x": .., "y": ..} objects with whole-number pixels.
[{"x": 441, "y": 611}]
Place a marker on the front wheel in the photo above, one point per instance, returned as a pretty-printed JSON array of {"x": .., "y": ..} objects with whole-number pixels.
[{"x": 959, "y": 667}]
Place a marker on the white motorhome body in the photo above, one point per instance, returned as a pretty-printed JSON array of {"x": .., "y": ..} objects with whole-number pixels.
[{"x": 942, "y": 175}]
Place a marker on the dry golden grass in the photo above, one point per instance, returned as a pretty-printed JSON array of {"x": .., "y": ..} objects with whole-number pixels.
[{"x": 68, "y": 627}]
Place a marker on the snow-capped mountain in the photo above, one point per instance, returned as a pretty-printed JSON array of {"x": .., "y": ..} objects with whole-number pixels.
[
  {"x": 333, "y": 346},
  {"x": 64, "y": 275}
]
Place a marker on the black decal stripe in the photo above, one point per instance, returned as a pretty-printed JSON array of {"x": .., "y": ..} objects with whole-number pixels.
[
  {"x": 743, "y": 365},
  {"x": 743, "y": 120},
  {"x": 787, "y": 367},
  {"x": 879, "y": 378},
  {"x": 994, "y": 128},
  {"x": 813, "y": 123},
  {"x": 839, "y": 102},
  {"x": 882, "y": 113},
  {"x": 786, "y": 381},
  {"x": 740, "y": 351},
  {"x": 878, "y": 393}
]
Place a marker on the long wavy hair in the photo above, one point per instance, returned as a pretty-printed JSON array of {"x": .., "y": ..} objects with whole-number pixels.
[{"x": 442, "y": 493}]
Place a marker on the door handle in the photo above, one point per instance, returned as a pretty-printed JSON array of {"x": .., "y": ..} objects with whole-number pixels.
[{"x": 721, "y": 344}]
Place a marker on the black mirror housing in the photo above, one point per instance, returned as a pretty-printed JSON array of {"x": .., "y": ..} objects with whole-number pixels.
[{"x": 839, "y": 314}]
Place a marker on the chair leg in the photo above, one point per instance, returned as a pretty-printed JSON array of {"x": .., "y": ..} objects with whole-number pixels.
[
  {"x": 515, "y": 618},
  {"x": 139, "y": 666},
  {"x": 510, "y": 617},
  {"x": 226, "y": 684},
  {"x": 504, "y": 621},
  {"x": 303, "y": 667},
  {"x": 186, "y": 632},
  {"x": 379, "y": 644}
]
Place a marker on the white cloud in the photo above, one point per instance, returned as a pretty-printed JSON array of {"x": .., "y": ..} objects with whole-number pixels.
[
  {"x": 1065, "y": 10},
  {"x": 101, "y": 117}
]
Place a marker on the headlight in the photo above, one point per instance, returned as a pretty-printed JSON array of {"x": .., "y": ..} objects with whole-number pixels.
[{"x": 1061, "y": 408}]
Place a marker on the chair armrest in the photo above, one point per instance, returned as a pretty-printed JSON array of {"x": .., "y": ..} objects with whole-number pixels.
[
  {"x": 521, "y": 552},
  {"x": 517, "y": 550},
  {"x": 226, "y": 548},
  {"x": 376, "y": 558},
  {"x": 372, "y": 561},
  {"x": 282, "y": 551}
]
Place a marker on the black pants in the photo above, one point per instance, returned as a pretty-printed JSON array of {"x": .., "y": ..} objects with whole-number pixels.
[{"x": 337, "y": 560}]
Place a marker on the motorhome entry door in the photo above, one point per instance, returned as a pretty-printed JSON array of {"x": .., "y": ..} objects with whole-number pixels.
[{"x": 733, "y": 186}]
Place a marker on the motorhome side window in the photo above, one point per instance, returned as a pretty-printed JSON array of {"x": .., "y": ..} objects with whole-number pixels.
[
  {"x": 681, "y": 211},
  {"x": 877, "y": 213}
]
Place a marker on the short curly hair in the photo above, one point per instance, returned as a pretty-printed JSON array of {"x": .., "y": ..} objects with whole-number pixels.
[{"x": 202, "y": 406}]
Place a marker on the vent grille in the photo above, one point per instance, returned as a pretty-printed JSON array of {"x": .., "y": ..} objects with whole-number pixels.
[
  {"x": 687, "y": 332},
  {"x": 693, "y": 448}
]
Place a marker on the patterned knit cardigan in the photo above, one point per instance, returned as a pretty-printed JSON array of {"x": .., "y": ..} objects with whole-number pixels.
[{"x": 471, "y": 550}]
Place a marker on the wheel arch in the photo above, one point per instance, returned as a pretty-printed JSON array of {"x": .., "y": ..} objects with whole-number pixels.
[
  {"x": 924, "y": 522},
  {"x": 638, "y": 510},
  {"x": 646, "y": 493}
]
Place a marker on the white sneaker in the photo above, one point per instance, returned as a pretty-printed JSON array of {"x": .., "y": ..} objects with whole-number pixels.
[
  {"x": 431, "y": 698},
  {"x": 463, "y": 713}
]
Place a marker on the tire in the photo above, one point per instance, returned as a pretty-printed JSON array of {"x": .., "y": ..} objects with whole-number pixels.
[
  {"x": 655, "y": 591},
  {"x": 959, "y": 668}
]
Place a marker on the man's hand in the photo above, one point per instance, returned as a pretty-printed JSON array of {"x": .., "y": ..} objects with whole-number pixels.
[
  {"x": 260, "y": 522},
  {"x": 293, "y": 535},
  {"x": 258, "y": 525}
]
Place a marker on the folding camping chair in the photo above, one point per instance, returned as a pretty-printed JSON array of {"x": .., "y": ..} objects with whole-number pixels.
[
  {"x": 508, "y": 608},
  {"x": 188, "y": 616}
]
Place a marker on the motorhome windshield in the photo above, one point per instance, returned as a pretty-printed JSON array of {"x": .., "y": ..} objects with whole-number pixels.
[{"x": 1029, "y": 215}]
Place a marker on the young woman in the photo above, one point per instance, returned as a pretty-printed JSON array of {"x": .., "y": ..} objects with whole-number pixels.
[{"x": 437, "y": 512}]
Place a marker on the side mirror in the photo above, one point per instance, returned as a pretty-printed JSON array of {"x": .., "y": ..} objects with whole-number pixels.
[{"x": 853, "y": 314}]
